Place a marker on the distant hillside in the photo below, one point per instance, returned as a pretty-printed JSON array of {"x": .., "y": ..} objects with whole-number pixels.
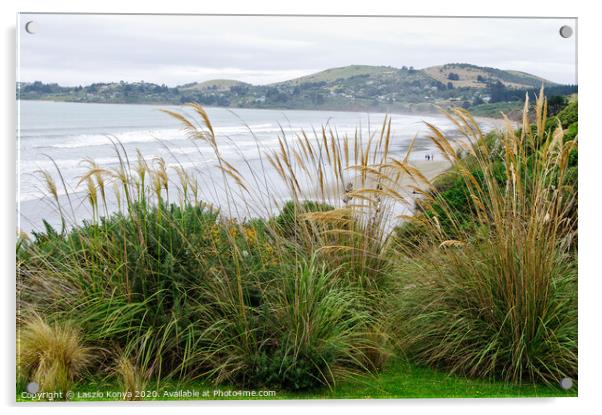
[
  {"x": 472, "y": 76},
  {"x": 351, "y": 88},
  {"x": 345, "y": 72},
  {"x": 213, "y": 85}
]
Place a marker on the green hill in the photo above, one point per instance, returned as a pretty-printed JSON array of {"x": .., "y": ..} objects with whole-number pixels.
[
  {"x": 349, "y": 88},
  {"x": 215, "y": 84},
  {"x": 342, "y": 73}
]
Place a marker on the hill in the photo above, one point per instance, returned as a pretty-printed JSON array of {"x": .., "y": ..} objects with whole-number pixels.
[
  {"x": 212, "y": 85},
  {"x": 350, "y": 88},
  {"x": 345, "y": 72},
  {"x": 463, "y": 75}
]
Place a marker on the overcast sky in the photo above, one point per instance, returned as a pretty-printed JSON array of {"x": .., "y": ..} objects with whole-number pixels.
[{"x": 81, "y": 49}]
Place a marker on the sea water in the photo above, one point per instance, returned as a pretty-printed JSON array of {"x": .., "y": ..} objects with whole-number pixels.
[{"x": 57, "y": 137}]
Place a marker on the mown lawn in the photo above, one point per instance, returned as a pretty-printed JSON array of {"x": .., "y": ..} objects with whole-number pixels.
[{"x": 398, "y": 380}]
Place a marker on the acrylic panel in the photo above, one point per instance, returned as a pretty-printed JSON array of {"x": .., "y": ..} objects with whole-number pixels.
[{"x": 295, "y": 207}]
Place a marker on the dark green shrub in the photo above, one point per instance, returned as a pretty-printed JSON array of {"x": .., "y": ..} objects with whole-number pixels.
[
  {"x": 290, "y": 223},
  {"x": 452, "y": 206}
]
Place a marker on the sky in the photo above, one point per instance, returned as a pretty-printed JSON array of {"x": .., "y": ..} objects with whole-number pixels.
[{"x": 173, "y": 50}]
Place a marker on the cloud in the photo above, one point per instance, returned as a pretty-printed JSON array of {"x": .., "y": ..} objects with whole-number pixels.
[{"x": 79, "y": 49}]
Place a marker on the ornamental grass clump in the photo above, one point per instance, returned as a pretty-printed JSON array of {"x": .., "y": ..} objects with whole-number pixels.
[
  {"x": 498, "y": 298},
  {"x": 51, "y": 355}
]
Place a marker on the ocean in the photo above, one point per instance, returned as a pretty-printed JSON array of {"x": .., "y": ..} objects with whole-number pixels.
[{"x": 58, "y": 136}]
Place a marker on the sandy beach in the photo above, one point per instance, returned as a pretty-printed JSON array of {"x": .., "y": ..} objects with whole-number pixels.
[{"x": 333, "y": 191}]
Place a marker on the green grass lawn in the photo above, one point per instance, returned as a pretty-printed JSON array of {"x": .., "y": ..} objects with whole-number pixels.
[{"x": 398, "y": 380}]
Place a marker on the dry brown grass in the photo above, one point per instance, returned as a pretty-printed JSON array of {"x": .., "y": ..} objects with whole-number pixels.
[
  {"x": 131, "y": 378},
  {"x": 51, "y": 354}
]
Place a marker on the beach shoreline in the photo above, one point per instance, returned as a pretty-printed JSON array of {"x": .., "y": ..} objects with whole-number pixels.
[{"x": 335, "y": 191}]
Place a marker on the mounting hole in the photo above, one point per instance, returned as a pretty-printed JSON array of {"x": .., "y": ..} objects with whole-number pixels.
[
  {"x": 31, "y": 27},
  {"x": 566, "y": 31},
  {"x": 566, "y": 383},
  {"x": 32, "y": 387}
]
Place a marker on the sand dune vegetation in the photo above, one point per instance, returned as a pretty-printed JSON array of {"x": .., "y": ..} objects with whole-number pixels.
[{"x": 469, "y": 268}]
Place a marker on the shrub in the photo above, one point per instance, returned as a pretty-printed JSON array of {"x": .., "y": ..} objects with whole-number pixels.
[
  {"x": 449, "y": 192},
  {"x": 567, "y": 116},
  {"x": 290, "y": 221}
]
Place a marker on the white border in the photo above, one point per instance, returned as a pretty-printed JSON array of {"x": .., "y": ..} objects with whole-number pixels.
[{"x": 590, "y": 286}]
